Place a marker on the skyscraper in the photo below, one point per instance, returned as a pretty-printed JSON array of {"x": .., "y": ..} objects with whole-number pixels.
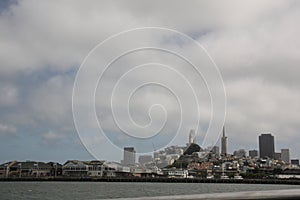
[
  {"x": 285, "y": 155},
  {"x": 277, "y": 155},
  {"x": 129, "y": 156},
  {"x": 266, "y": 145},
  {"x": 224, "y": 144},
  {"x": 216, "y": 150}
]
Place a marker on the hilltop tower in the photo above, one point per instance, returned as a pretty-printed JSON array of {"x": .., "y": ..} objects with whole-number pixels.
[{"x": 192, "y": 137}]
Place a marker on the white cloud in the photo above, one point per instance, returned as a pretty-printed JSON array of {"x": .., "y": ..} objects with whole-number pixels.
[
  {"x": 50, "y": 135},
  {"x": 9, "y": 95},
  {"x": 7, "y": 129}
]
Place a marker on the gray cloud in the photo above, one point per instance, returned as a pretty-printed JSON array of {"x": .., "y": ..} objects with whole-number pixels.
[{"x": 254, "y": 43}]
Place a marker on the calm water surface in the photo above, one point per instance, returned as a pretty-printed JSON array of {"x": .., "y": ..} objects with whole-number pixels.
[{"x": 101, "y": 190}]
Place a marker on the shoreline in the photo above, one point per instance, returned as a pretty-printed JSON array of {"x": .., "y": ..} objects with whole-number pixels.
[
  {"x": 154, "y": 180},
  {"x": 267, "y": 194}
]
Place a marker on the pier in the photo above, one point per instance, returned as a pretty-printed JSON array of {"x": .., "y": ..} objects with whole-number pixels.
[{"x": 157, "y": 179}]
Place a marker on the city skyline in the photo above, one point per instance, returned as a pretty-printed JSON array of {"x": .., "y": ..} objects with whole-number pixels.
[
  {"x": 254, "y": 45},
  {"x": 130, "y": 157}
]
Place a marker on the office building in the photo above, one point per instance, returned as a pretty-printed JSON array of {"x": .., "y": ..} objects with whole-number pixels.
[
  {"x": 266, "y": 145},
  {"x": 295, "y": 162},
  {"x": 216, "y": 150},
  {"x": 253, "y": 153},
  {"x": 277, "y": 156},
  {"x": 224, "y": 144},
  {"x": 285, "y": 155},
  {"x": 129, "y": 156}
]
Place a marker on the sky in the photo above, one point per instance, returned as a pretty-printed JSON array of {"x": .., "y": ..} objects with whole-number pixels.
[{"x": 254, "y": 44}]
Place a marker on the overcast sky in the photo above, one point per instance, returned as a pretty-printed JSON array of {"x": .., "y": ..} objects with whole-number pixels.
[{"x": 255, "y": 45}]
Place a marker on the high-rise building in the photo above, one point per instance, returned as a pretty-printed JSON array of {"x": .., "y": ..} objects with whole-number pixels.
[
  {"x": 240, "y": 153},
  {"x": 253, "y": 153},
  {"x": 277, "y": 156},
  {"x": 129, "y": 156},
  {"x": 295, "y": 162},
  {"x": 224, "y": 144},
  {"x": 216, "y": 150},
  {"x": 285, "y": 155},
  {"x": 192, "y": 137},
  {"x": 266, "y": 145}
]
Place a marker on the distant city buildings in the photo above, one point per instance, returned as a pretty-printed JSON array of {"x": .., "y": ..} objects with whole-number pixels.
[
  {"x": 190, "y": 161},
  {"x": 129, "y": 156},
  {"x": 168, "y": 155},
  {"x": 216, "y": 150},
  {"x": 266, "y": 145},
  {"x": 277, "y": 156},
  {"x": 253, "y": 153},
  {"x": 241, "y": 153},
  {"x": 143, "y": 159},
  {"x": 295, "y": 162},
  {"x": 285, "y": 155},
  {"x": 224, "y": 144}
]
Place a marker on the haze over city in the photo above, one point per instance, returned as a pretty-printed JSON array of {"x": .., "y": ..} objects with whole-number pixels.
[{"x": 255, "y": 45}]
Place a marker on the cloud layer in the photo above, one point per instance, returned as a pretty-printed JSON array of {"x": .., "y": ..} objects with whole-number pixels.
[{"x": 255, "y": 44}]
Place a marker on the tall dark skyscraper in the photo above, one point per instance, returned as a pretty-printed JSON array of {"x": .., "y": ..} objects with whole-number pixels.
[{"x": 266, "y": 145}]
